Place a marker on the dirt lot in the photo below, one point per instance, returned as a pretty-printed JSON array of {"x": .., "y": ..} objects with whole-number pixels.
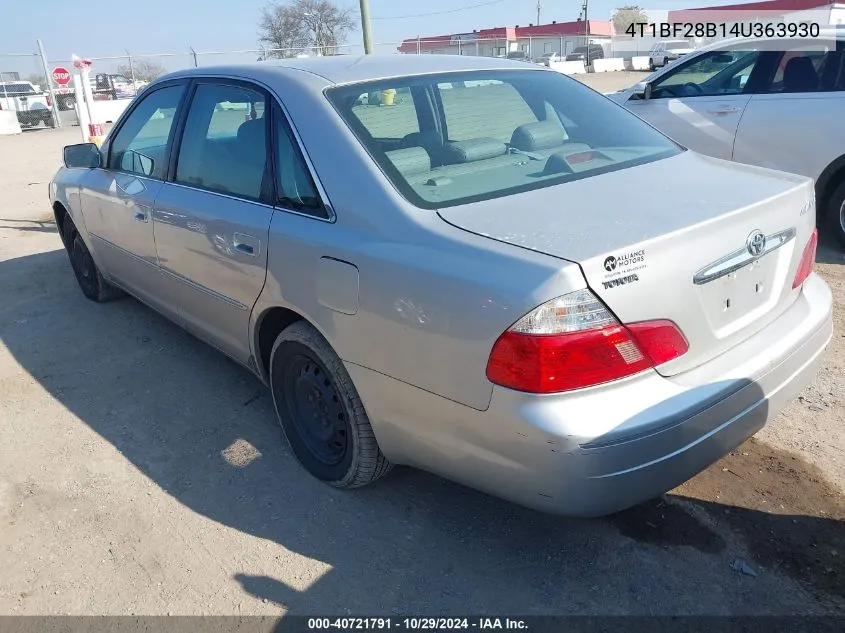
[{"x": 143, "y": 473}]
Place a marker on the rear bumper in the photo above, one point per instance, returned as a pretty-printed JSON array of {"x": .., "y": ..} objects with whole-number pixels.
[{"x": 603, "y": 449}]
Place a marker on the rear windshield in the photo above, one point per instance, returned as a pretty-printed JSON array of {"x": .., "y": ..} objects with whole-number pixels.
[
  {"x": 450, "y": 139},
  {"x": 674, "y": 46}
]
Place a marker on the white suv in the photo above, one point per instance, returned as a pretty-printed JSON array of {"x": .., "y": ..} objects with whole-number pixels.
[
  {"x": 773, "y": 103},
  {"x": 662, "y": 53}
]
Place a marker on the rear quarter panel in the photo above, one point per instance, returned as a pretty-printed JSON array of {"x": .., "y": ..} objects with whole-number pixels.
[{"x": 432, "y": 299}]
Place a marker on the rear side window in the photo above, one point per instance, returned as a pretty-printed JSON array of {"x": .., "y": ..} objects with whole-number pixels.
[
  {"x": 224, "y": 144},
  {"x": 489, "y": 134},
  {"x": 141, "y": 143}
]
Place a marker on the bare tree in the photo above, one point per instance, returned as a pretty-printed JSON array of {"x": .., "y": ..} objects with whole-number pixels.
[
  {"x": 297, "y": 25},
  {"x": 142, "y": 70},
  {"x": 624, "y": 17}
]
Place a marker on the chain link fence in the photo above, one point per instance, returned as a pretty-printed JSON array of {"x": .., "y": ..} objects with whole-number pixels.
[{"x": 41, "y": 99}]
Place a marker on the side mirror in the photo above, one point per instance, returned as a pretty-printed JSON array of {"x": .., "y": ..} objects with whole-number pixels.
[
  {"x": 82, "y": 156},
  {"x": 722, "y": 58},
  {"x": 642, "y": 90},
  {"x": 136, "y": 163}
]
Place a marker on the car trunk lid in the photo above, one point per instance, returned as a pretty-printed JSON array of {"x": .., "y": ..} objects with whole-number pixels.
[{"x": 669, "y": 240}]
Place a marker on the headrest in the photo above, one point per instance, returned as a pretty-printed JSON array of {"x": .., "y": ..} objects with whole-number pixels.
[
  {"x": 472, "y": 150},
  {"x": 252, "y": 132},
  {"x": 412, "y": 160},
  {"x": 800, "y": 75},
  {"x": 536, "y": 136}
]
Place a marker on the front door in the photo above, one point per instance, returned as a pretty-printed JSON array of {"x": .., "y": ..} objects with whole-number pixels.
[
  {"x": 700, "y": 102},
  {"x": 118, "y": 199},
  {"x": 213, "y": 217}
]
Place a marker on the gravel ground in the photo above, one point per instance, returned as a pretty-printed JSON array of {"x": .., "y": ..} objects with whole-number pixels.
[{"x": 143, "y": 473}]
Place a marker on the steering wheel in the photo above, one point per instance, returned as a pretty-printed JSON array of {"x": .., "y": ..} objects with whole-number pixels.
[{"x": 698, "y": 90}]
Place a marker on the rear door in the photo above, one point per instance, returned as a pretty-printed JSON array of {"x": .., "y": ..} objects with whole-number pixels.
[
  {"x": 700, "y": 102},
  {"x": 794, "y": 122},
  {"x": 213, "y": 215}
]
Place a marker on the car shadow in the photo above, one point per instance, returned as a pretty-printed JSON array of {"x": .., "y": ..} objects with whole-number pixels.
[{"x": 204, "y": 431}]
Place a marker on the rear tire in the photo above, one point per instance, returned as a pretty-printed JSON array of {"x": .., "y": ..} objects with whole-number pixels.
[
  {"x": 88, "y": 276},
  {"x": 68, "y": 103},
  {"x": 665, "y": 61},
  {"x": 835, "y": 215},
  {"x": 321, "y": 412},
  {"x": 651, "y": 63}
]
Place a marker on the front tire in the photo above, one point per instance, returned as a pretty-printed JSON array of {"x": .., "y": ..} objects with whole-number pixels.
[
  {"x": 835, "y": 215},
  {"x": 321, "y": 412},
  {"x": 88, "y": 276}
]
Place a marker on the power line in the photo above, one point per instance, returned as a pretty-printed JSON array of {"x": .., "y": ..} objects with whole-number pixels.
[{"x": 425, "y": 15}]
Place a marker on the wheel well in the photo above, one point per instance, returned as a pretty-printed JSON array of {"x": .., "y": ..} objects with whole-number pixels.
[
  {"x": 270, "y": 324},
  {"x": 831, "y": 177},
  {"x": 61, "y": 214}
]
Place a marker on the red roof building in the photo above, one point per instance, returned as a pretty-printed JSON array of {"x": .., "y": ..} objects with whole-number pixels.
[
  {"x": 542, "y": 33},
  {"x": 743, "y": 12}
]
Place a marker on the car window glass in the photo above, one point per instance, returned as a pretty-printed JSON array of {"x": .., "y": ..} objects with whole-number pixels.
[
  {"x": 141, "y": 143},
  {"x": 495, "y": 144},
  {"x": 294, "y": 185},
  {"x": 483, "y": 109},
  {"x": 388, "y": 113},
  {"x": 803, "y": 70},
  {"x": 224, "y": 145},
  {"x": 711, "y": 74}
]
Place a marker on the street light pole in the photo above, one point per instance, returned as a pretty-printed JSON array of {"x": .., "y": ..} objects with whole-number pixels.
[{"x": 365, "y": 26}]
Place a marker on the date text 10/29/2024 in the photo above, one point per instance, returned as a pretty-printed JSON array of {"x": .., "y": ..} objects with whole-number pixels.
[
  {"x": 416, "y": 624},
  {"x": 712, "y": 29}
]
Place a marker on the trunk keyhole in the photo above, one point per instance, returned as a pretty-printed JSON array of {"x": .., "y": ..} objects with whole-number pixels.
[{"x": 727, "y": 304}]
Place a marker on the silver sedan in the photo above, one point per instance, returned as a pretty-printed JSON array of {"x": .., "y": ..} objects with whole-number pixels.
[{"x": 472, "y": 266}]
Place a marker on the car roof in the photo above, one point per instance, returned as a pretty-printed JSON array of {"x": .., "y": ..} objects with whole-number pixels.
[{"x": 342, "y": 69}]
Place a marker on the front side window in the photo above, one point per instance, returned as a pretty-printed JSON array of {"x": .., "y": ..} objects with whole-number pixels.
[
  {"x": 141, "y": 143},
  {"x": 224, "y": 145},
  {"x": 710, "y": 74},
  {"x": 497, "y": 133}
]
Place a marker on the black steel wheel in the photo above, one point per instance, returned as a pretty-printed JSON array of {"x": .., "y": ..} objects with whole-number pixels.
[{"x": 321, "y": 412}]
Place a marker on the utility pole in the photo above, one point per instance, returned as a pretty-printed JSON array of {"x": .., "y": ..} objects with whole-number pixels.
[
  {"x": 539, "y": 6},
  {"x": 365, "y": 26},
  {"x": 57, "y": 121}
]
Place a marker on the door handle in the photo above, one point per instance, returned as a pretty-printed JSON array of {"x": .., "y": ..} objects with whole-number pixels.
[
  {"x": 725, "y": 110},
  {"x": 141, "y": 216},
  {"x": 246, "y": 244}
]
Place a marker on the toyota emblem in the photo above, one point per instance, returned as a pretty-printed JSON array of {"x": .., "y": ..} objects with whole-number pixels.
[{"x": 756, "y": 243}]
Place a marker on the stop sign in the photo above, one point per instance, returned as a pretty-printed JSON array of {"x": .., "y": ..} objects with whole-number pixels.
[{"x": 61, "y": 76}]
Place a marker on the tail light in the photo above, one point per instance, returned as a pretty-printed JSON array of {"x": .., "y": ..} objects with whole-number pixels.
[
  {"x": 574, "y": 342},
  {"x": 49, "y": 101},
  {"x": 808, "y": 260}
]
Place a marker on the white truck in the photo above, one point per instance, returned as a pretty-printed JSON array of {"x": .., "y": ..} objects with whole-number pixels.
[{"x": 33, "y": 105}]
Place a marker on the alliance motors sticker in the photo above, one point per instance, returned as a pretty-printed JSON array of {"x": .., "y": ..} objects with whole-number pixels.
[{"x": 620, "y": 269}]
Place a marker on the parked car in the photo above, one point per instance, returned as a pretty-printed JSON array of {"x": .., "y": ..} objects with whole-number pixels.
[
  {"x": 663, "y": 53},
  {"x": 32, "y": 105},
  {"x": 514, "y": 306},
  {"x": 773, "y": 103},
  {"x": 548, "y": 58},
  {"x": 104, "y": 86},
  {"x": 518, "y": 55},
  {"x": 586, "y": 53}
]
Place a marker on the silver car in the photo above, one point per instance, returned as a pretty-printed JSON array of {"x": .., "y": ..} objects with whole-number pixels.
[{"x": 484, "y": 269}]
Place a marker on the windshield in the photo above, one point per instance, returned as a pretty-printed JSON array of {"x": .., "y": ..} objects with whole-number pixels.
[
  {"x": 674, "y": 46},
  {"x": 451, "y": 139}
]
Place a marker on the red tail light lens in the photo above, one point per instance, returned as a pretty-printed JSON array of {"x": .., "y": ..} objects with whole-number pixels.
[
  {"x": 49, "y": 101},
  {"x": 808, "y": 260},
  {"x": 574, "y": 342},
  {"x": 661, "y": 341}
]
